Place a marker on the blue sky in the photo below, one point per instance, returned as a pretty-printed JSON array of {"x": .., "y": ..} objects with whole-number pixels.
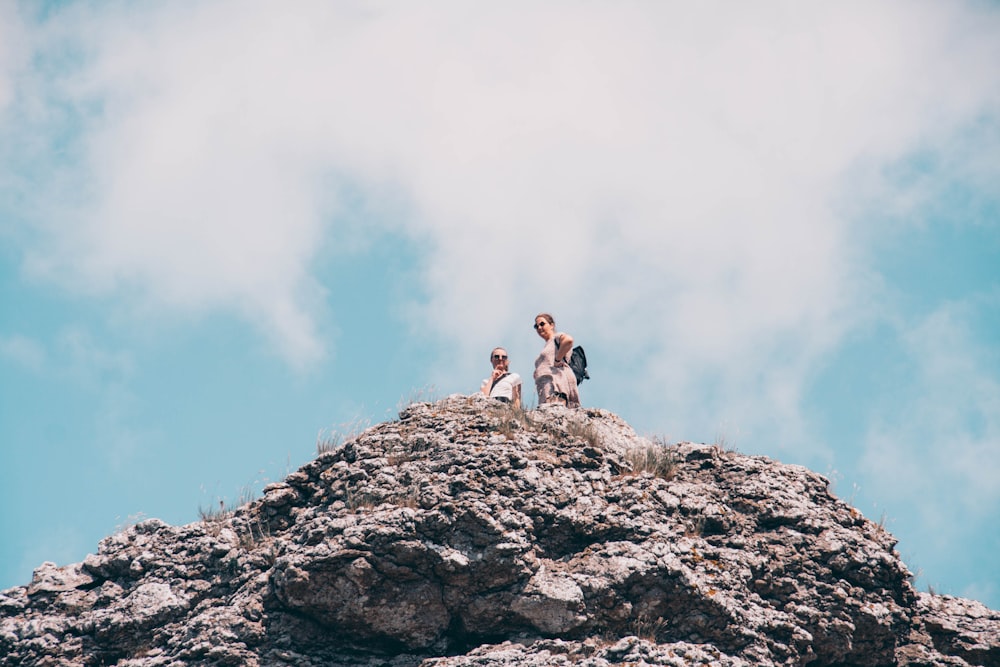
[{"x": 231, "y": 228}]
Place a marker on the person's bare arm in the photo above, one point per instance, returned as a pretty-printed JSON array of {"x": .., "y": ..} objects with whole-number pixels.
[
  {"x": 565, "y": 346},
  {"x": 491, "y": 380}
]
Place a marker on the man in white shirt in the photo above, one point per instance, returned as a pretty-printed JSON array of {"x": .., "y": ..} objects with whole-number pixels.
[{"x": 502, "y": 384}]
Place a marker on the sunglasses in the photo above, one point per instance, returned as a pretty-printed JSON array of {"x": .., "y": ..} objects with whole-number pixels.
[
  {"x": 499, "y": 357},
  {"x": 539, "y": 325}
]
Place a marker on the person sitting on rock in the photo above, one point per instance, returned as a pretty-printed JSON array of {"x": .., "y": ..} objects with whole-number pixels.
[{"x": 502, "y": 384}]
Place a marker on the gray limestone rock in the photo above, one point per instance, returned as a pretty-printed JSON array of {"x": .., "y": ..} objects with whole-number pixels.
[{"x": 469, "y": 533}]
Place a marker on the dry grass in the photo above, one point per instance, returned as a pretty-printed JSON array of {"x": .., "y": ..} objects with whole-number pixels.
[
  {"x": 512, "y": 419},
  {"x": 214, "y": 517},
  {"x": 213, "y": 514},
  {"x": 650, "y": 629},
  {"x": 427, "y": 394},
  {"x": 328, "y": 442},
  {"x": 655, "y": 458},
  {"x": 332, "y": 439},
  {"x": 409, "y": 498},
  {"x": 358, "y": 500},
  {"x": 256, "y": 530},
  {"x": 724, "y": 441},
  {"x": 584, "y": 431}
]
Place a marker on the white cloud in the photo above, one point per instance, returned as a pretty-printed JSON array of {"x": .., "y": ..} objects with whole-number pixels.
[
  {"x": 940, "y": 451},
  {"x": 10, "y": 51},
  {"x": 89, "y": 362},
  {"x": 670, "y": 176},
  {"x": 23, "y": 351},
  {"x": 102, "y": 372},
  {"x": 932, "y": 457},
  {"x": 680, "y": 183},
  {"x": 74, "y": 356}
]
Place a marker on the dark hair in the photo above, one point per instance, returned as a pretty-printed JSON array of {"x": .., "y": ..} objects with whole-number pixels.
[{"x": 548, "y": 318}]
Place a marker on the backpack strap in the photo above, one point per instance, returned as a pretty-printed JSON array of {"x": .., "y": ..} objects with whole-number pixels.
[{"x": 497, "y": 380}]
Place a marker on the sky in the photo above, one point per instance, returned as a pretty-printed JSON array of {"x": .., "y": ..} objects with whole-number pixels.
[{"x": 231, "y": 229}]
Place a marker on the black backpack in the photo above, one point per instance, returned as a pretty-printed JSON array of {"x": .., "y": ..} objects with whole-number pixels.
[{"x": 578, "y": 362}]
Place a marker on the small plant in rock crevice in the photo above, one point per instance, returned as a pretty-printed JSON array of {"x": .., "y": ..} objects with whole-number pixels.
[
  {"x": 512, "y": 420},
  {"x": 408, "y": 498},
  {"x": 584, "y": 431},
  {"x": 428, "y": 394},
  {"x": 210, "y": 514},
  {"x": 356, "y": 500},
  {"x": 724, "y": 443},
  {"x": 695, "y": 528},
  {"x": 255, "y": 531},
  {"x": 648, "y": 628},
  {"x": 655, "y": 458},
  {"x": 214, "y": 518},
  {"x": 329, "y": 440}
]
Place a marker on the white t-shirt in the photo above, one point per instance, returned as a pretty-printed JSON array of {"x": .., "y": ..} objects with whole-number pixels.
[{"x": 504, "y": 388}]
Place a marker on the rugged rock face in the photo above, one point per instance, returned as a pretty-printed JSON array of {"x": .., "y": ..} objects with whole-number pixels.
[{"x": 467, "y": 533}]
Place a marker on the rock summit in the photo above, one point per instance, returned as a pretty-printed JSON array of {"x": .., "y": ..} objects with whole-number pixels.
[{"x": 470, "y": 533}]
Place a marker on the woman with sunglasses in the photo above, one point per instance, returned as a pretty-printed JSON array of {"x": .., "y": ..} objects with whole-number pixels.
[
  {"x": 502, "y": 384},
  {"x": 554, "y": 379}
]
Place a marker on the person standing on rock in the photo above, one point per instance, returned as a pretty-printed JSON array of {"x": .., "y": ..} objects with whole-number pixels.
[
  {"x": 554, "y": 379},
  {"x": 502, "y": 384}
]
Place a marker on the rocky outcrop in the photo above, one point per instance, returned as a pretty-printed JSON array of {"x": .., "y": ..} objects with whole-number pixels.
[{"x": 468, "y": 533}]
